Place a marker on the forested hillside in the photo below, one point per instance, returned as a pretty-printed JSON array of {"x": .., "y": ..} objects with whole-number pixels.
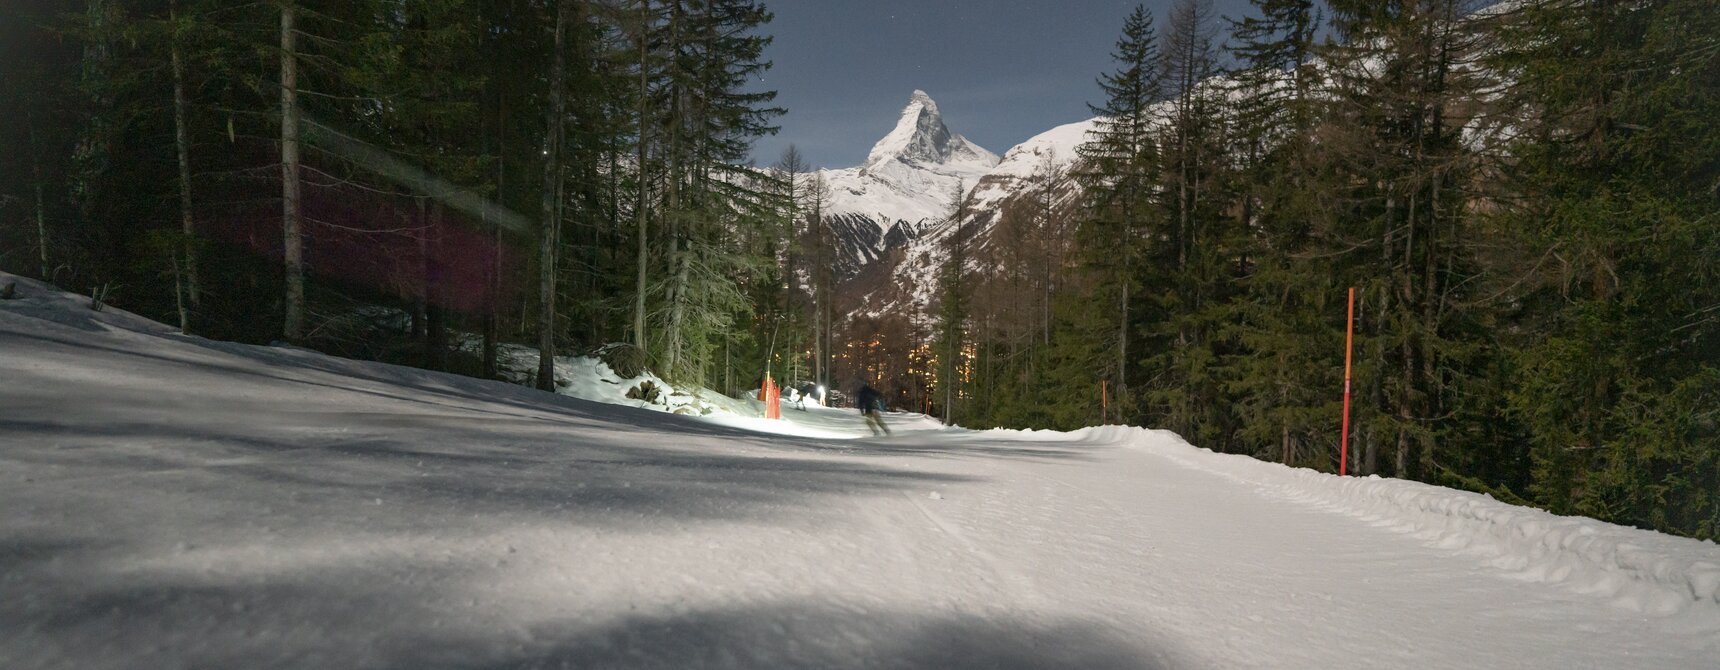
[
  {"x": 1525, "y": 197},
  {"x": 568, "y": 173}
]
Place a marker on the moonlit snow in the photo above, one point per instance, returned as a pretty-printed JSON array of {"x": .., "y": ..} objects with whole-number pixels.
[{"x": 168, "y": 501}]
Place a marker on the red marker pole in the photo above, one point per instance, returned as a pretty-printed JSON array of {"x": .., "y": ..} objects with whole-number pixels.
[{"x": 1349, "y": 343}]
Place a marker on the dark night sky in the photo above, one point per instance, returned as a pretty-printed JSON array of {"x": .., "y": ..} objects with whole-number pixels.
[{"x": 1001, "y": 70}]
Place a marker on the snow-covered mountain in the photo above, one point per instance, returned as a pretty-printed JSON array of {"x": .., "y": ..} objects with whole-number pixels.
[
  {"x": 908, "y": 183},
  {"x": 891, "y": 215},
  {"x": 911, "y": 283}
]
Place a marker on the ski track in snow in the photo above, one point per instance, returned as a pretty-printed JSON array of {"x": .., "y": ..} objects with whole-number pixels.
[{"x": 168, "y": 502}]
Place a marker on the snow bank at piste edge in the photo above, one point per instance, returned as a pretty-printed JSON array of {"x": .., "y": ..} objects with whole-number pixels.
[{"x": 1640, "y": 570}]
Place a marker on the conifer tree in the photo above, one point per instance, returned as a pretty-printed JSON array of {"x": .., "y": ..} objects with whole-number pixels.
[
  {"x": 1280, "y": 374},
  {"x": 1392, "y": 134},
  {"x": 1192, "y": 244},
  {"x": 292, "y": 215},
  {"x": 1120, "y": 159},
  {"x": 953, "y": 304},
  {"x": 1609, "y": 297},
  {"x": 549, "y": 218},
  {"x": 711, "y": 53},
  {"x": 820, "y": 277}
]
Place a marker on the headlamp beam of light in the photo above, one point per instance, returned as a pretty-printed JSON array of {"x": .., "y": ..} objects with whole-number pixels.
[{"x": 415, "y": 178}]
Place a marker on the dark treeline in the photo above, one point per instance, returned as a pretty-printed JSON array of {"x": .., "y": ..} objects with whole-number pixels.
[
  {"x": 1526, "y": 199},
  {"x": 411, "y": 180}
]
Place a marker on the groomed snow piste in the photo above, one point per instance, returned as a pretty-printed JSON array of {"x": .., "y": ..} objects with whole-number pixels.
[{"x": 167, "y": 501}]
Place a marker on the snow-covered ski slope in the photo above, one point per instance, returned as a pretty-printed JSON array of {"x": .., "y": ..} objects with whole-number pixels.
[{"x": 169, "y": 502}]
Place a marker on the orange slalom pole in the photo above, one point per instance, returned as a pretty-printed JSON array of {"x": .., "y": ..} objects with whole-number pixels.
[
  {"x": 1349, "y": 343},
  {"x": 1104, "y": 401}
]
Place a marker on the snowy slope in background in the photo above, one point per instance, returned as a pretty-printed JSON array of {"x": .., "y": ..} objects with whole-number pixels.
[
  {"x": 1637, "y": 570},
  {"x": 1055, "y": 149},
  {"x": 167, "y": 501}
]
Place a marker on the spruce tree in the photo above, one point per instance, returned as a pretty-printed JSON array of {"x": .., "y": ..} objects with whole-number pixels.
[
  {"x": 711, "y": 52},
  {"x": 1192, "y": 245},
  {"x": 1397, "y": 146},
  {"x": 1281, "y": 374},
  {"x": 1609, "y": 297},
  {"x": 1119, "y": 161},
  {"x": 953, "y": 305}
]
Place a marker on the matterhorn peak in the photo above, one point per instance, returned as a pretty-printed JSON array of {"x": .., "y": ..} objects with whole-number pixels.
[{"x": 921, "y": 138}]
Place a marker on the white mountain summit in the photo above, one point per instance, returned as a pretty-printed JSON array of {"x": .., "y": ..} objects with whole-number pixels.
[
  {"x": 909, "y": 182},
  {"x": 890, "y": 216},
  {"x": 921, "y": 139}
]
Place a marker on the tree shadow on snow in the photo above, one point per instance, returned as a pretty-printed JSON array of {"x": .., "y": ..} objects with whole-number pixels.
[
  {"x": 795, "y": 636},
  {"x": 334, "y": 623}
]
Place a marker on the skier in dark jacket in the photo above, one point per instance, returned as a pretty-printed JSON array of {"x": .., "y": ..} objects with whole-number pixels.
[{"x": 871, "y": 404}]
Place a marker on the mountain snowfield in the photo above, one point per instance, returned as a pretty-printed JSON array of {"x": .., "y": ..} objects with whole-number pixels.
[
  {"x": 911, "y": 175},
  {"x": 903, "y": 196},
  {"x": 912, "y": 284},
  {"x": 169, "y": 501}
]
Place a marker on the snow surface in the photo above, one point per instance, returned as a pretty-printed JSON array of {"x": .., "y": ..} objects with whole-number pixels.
[{"x": 167, "y": 501}]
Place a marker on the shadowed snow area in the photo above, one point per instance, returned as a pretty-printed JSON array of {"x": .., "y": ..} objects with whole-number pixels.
[{"x": 167, "y": 501}]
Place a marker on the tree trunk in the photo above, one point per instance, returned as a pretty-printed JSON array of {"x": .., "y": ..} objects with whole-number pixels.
[
  {"x": 611, "y": 246},
  {"x": 1123, "y": 328},
  {"x": 1429, "y": 329},
  {"x": 829, "y": 333},
  {"x": 1432, "y": 298},
  {"x": 550, "y": 221},
  {"x": 42, "y": 230},
  {"x": 1371, "y": 446},
  {"x": 493, "y": 271},
  {"x": 1406, "y": 386},
  {"x": 820, "y": 289},
  {"x": 1284, "y": 424},
  {"x": 817, "y": 332},
  {"x": 1045, "y": 280},
  {"x": 680, "y": 240},
  {"x": 418, "y": 222},
  {"x": 435, "y": 317},
  {"x": 641, "y": 208},
  {"x": 41, "y": 198},
  {"x": 677, "y": 302},
  {"x": 293, "y": 328},
  {"x": 185, "y": 274}
]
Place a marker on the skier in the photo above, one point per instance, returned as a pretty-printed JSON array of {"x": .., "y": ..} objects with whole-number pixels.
[
  {"x": 871, "y": 404},
  {"x": 802, "y": 392}
]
